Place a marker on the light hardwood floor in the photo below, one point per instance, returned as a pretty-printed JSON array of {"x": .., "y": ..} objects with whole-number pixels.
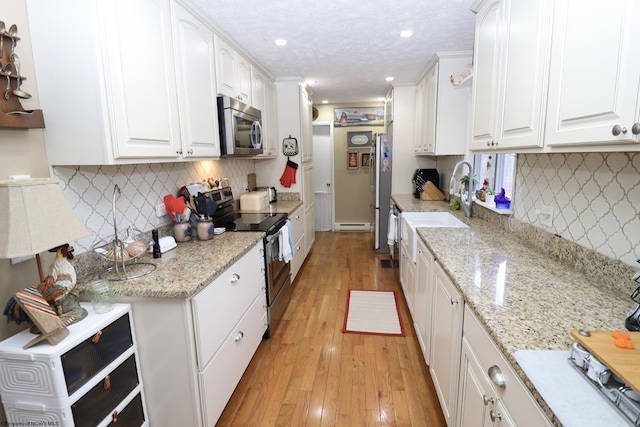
[{"x": 310, "y": 373}]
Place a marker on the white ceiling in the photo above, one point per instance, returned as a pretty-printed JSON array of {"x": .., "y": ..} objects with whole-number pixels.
[{"x": 345, "y": 49}]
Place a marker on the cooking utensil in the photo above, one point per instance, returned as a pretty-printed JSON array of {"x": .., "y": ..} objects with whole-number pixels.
[
  {"x": 168, "y": 205},
  {"x": 17, "y": 91},
  {"x": 179, "y": 206},
  {"x": 211, "y": 207},
  {"x": 13, "y": 32},
  {"x": 201, "y": 205},
  {"x": 3, "y": 28},
  {"x": 8, "y": 70}
]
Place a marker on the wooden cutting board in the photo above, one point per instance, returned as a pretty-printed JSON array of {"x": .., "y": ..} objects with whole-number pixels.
[
  {"x": 431, "y": 192},
  {"x": 623, "y": 362},
  {"x": 251, "y": 181}
]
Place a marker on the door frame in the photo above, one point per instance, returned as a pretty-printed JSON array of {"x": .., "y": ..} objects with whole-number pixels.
[{"x": 317, "y": 166}]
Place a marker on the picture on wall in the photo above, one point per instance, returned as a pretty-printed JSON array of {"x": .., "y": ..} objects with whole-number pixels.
[
  {"x": 360, "y": 116},
  {"x": 366, "y": 158},
  {"x": 358, "y": 139},
  {"x": 352, "y": 160}
]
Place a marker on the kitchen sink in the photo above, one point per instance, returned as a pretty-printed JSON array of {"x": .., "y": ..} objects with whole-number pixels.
[
  {"x": 432, "y": 219},
  {"x": 409, "y": 221}
]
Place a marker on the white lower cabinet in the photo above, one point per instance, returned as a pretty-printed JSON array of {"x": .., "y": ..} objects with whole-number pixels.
[
  {"x": 423, "y": 299},
  {"x": 407, "y": 274},
  {"x": 483, "y": 402},
  {"x": 445, "y": 342},
  {"x": 197, "y": 349},
  {"x": 297, "y": 232}
]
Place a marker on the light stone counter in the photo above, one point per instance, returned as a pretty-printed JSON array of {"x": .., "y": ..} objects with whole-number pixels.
[
  {"x": 181, "y": 272},
  {"x": 525, "y": 297}
]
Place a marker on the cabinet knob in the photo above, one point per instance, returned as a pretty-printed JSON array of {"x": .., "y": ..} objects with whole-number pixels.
[
  {"x": 190, "y": 152},
  {"x": 179, "y": 151},
  {"x": 488, "y": 143},
  {"x": 235, "y": 277},
  {"x": 486, "y": 399},
  {"x": 617, "y": 130},
  {"x": 454, "y": 301},
  {"x": 497, "y": 376},
  {"x": 239, "y": 336},
  {"x": 635, "y": 129},
  {"x": 495, "y": 416}
]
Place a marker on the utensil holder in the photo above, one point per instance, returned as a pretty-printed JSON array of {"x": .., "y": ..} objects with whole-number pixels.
[{"x": 204, "y": 229}]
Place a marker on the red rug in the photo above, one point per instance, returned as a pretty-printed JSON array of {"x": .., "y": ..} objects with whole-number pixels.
[{"x": 373, "y": 313}]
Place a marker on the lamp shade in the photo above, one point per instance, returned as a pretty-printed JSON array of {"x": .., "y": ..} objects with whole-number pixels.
[{"x": 36, "y": 217}]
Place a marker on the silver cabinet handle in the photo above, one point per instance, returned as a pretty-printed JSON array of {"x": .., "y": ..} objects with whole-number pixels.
[
  {"x": 635, "y": 129},
  {"x": 497, "y": 376},
  {"x": 495, "y": 416},
  {"x": 617, "y": 130},
  {"x": 238, "y": 336},
  {"x": 486, "y": 399},
  {"x": 235, "y": 277}
]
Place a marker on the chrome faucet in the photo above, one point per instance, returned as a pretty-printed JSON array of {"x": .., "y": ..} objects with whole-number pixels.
[{"x": 466, "y": 204}]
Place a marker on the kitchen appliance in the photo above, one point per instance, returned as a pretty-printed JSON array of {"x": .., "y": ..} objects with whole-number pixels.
[
  {"x": 277, "y": 272},
  {"x": 380, "y": 168},
  {"x": 632, "y": 322},
  {"x": 254, "y": 201},
  {"x": 272, "y": 192},
  {"x": 240, "y": 128},
  {"x": 421, "y": 177}
]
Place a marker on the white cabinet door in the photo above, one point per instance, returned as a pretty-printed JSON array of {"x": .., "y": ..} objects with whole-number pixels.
[
  {"x": 595, "y": 72},
  {"x": 307, "y": 129},
  {"x": 309, "y": 207},
  {"x": 195, "y": 58},
  {"x": 475, "y": 393},
  {"x": 429, "y": 110},
  {"x": 233, "y": 72},
  {"x": 485, "y": 74},
  {"x": 423, "y": 299},
  {"x": 111, "y": 96},
  {"x": 448, "y": 307},
  {"x": 263, "y": 98},
  {"x": 297, "y": 231}
]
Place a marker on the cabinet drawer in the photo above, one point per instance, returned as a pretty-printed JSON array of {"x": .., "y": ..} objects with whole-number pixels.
[
  {"x": 132, "y": 414},
  {"x": 85, "y": 360},
  {"x": 52, "y": 374},
  {"x": 101, "y": 400},
  {"x": 297, "y": 224},
  {"x": 219, "y": 306},
  {"x": 517, "y": 399},
  {"x": 221, "y": 376},
  {"x": 298, "y": 257}
]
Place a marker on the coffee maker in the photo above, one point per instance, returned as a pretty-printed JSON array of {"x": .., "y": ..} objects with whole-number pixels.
[{"x": 420, "y": 178}]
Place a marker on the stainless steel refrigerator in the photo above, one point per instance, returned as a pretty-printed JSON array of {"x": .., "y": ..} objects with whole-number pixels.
[{"x": 380, "y": 165}]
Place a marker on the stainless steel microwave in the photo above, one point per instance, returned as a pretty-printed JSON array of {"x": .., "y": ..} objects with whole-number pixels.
[{"x": 240, "y": 127}]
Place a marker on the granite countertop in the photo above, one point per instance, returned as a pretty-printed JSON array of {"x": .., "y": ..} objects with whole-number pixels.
[
  {"x": 525, "y": 298},
  {"x": 183, "y": 271}
]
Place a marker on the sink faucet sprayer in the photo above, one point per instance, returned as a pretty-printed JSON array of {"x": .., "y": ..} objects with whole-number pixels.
[{"x": 466, "y": 204}]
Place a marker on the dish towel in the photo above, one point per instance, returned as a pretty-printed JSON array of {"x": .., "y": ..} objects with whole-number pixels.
[
  {"x": 392, "y": 233},
  {"x": 285, "y": 243}
]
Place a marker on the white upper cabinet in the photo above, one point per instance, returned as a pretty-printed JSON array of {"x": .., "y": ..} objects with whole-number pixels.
[
  {"x": 195, "y": 59},
  {"x": 443, "y": 109},
  {"x": 510, "y": 73},
  {"x": 264, "y": 99},
  {"x": 108, "y": 90},
  {"x": 595, "y": 74},
  {"x": 306, "y": 119},
  {"x": 233, "y": 72}
]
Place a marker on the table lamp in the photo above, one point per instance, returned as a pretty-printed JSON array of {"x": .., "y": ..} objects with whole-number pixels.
[{"x": 36, "y": 217}]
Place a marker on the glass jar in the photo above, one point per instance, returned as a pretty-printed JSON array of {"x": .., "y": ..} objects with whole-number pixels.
[{"x": 101, "y": 296}]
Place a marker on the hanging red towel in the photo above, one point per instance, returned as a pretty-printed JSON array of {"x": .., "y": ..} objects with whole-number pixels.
[{"x": 289, "y": 175}]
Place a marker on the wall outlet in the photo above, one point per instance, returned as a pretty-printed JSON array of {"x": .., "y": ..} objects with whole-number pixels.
[
  {"x": 545, "y": 215},
  {"x": 161, "y": 210}
]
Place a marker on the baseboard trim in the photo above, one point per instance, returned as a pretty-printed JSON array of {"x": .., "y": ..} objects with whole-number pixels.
[{"x": 352, "y": 226}]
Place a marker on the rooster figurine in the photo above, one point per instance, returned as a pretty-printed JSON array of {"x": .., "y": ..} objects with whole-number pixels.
[{"x": 58, "y": 289}]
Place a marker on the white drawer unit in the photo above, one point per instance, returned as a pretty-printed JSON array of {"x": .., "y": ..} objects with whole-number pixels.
[
  {"x": 224, "y": 301},
  {"x": 92, "y": 377}
]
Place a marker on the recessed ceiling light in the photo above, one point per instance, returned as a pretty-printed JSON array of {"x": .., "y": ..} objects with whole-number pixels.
[
  {"x": 406, "y": 33},
  {"x": 389, "y": 79},
  {"x": 280, "y": 42},
  {"x": 324, "y": 101}
]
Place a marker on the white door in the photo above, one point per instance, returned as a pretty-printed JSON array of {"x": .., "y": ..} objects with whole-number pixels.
[{"x": 323, "y": 175}]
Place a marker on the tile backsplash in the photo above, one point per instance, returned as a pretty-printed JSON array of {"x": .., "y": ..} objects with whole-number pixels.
[{"x": 90, "y": 191}]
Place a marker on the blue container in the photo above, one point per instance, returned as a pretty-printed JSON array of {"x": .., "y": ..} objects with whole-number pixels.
[{"x": 503, "y": 205}]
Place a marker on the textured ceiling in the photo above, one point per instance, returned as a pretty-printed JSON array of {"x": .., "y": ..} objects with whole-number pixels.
[{"x": 346, "y": 47}]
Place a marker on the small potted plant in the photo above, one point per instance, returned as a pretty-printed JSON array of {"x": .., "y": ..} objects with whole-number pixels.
[{"x": 488, "y": 193}]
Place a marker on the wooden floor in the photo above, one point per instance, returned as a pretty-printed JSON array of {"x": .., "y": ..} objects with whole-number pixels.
[{"x": 310, "y": 373}]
